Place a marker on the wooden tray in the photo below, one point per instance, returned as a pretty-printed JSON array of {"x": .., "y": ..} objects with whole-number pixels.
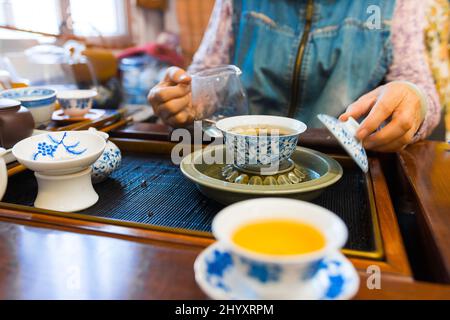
[{"x": 389, "y": 254}]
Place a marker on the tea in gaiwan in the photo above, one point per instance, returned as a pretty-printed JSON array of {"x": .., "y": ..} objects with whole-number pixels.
[{"x": 258, "y": 130}]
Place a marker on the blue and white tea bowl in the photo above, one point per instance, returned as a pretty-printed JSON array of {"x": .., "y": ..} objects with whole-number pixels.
[
  {"x": 57, "y": 153},
  {"x": 277, "y": 276},
  {"x": 216, "y": 273},
  {"x": 40, "y": 101},
  {"x": 108, "y": 162},
  {"x": 76, "y": 103},
  {"x": 251, "y": 151}
]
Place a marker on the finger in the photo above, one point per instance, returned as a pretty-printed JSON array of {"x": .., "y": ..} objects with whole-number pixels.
[
  {"x": 161, "y": 93},
  {"x": 172, "y": 107},
  {"x": 396, "y": 145},
  {"x": 177, "y": 75},
  {"x": 383, "y": 108},
  {"x": 391, "y": 132},
  {"x": 180, "y": 119},
  {"x": 360, "y": 107}
]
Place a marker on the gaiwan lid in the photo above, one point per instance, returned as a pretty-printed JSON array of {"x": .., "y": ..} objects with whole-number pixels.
[{"x": 344, "y": 132}]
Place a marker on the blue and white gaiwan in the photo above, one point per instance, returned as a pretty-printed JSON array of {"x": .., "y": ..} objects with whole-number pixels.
[{"x": 253, "y": 152}]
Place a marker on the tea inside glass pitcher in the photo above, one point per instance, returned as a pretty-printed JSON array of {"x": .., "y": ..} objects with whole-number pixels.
[{"x": 218, "y": 93}]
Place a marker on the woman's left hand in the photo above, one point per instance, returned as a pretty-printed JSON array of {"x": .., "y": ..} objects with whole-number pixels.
[{"x": 395, "y": 100}]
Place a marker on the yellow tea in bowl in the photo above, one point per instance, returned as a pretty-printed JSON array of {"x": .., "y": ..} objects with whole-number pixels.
[{"x": 279, "y": 237}]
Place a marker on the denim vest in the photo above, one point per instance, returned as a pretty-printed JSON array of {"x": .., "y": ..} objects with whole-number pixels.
[{"x": 345, "y": 53}]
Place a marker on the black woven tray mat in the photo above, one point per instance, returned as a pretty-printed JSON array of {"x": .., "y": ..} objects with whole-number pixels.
[{"x": 150, "y": 189}]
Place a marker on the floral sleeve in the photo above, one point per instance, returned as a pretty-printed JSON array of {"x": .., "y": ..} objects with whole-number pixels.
[
  {"x": 218, "y": 39},
  {"x": 437, "y": 48},
  {"x": 410, "y": 60}
]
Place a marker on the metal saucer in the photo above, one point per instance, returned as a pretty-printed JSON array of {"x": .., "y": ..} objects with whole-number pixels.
[
  {"x": 321, "y": 170},
  {"x": 291, "y": 173}
]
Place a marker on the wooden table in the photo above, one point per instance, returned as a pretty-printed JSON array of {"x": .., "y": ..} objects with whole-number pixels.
[
  {"x": 59, "y": 257},
  {"x": 427, "y": 168},
  {"x": 44, "y": 261}
]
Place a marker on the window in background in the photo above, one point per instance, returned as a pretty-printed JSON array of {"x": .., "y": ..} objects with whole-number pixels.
[
  {"x": 42, "y": 16},
  {"x": 2, "y": 14},
  {"x": 104, "y": 17},
  {"x": 104, "y": 22}
]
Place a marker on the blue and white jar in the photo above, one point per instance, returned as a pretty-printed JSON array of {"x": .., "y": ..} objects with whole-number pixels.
[{"x": 107, "y": 163}]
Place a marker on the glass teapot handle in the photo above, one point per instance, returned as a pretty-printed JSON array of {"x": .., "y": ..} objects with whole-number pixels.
[{"x": 236, "y": 69}]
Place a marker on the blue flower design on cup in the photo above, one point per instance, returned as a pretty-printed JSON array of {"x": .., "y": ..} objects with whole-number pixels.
[
  {"x": 312, "y": 270},
  {"x": 48, "y": 149},
  {"x": 216, "y": 267},
  {"x": 263, "y": 272},
  {"x": 219, "y": 274},
  {"x": 76, "y": 103},
  {"x": 334, "y": 271},
  {"x": 45, "y": 149}
]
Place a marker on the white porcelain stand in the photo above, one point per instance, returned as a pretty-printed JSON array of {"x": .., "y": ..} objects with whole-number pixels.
[
  {"x": 3, "y": 173},
  {"x": 66, "y": 193}
]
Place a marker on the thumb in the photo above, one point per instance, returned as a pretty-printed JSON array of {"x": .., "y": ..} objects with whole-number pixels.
[{"x": 177, "y": 75}]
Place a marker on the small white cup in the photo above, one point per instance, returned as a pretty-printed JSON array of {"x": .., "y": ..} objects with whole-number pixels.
[
  {"x": 76, "y": 103},
  {"x": 280, "y": 277}
]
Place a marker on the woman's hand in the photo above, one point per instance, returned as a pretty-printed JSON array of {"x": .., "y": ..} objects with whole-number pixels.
[
  {"x": 171, "y": 98},
  {"x": 397, "y": 101}
]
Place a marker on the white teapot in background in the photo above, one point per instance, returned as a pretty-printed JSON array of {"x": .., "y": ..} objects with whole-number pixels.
[{"x": 3, "y": 173}]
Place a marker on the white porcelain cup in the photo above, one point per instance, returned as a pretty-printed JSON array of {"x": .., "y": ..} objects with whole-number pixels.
[
  {"x": 76, "y": 103},
  {"x": 279, "y": 276},
  {"x": 39, "y": 101},
  {"x": 3, "y": 173}
]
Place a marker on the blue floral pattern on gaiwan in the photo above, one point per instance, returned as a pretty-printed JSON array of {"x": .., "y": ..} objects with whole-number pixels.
[
  {"x": 344, "y": 132},
  {"x": 260, "y": 150},
  {"x": 108, "y": 162},
  {"x": 48, "y": 149}
]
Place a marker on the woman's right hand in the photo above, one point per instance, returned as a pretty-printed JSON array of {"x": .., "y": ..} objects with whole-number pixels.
[{"x": 171, "y": 98}]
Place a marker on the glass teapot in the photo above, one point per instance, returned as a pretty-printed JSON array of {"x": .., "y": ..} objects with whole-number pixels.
[{"x": 218, "y": 93}]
